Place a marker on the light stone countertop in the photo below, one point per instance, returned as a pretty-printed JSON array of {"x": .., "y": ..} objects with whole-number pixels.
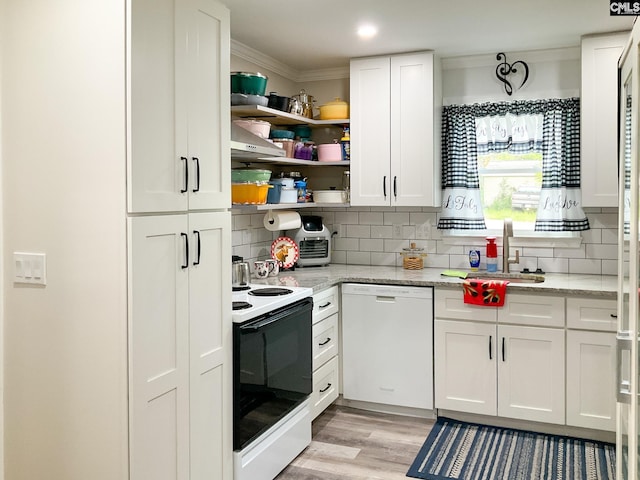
[{"x": 319, "y": 278}]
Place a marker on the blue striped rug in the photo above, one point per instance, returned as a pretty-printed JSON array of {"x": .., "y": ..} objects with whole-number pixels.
[{"x": 468, "y": 451}]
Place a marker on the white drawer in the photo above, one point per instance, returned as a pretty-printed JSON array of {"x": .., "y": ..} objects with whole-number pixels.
[
  {"x": 325, "y": 303},
  {"x": 532, "y": 309},
  {"x": 449, "y": 303},
  {"x": 592, "y": 314},
  {"x": 325, "y": 387},
  {"x": 325, "y": 340}
]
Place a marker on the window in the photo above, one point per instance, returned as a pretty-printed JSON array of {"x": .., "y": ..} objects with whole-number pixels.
[
  {"x": 510, "y": 186},
  {"x": 518, "y": 160}
]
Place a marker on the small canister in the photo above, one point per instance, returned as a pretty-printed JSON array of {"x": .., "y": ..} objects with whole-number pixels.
[
  {"x": 413, "y": 257},
  {"x": 301, "y": 186}
]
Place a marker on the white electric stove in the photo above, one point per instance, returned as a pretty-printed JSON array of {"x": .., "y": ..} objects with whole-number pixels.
[{"x": 260, "y": 299}]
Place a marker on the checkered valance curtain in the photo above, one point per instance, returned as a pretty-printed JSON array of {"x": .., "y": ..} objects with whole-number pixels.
[{"x": 463, "y": 126}]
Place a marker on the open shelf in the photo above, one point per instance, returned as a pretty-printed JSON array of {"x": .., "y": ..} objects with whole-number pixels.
[
  {"x": 292, "y": 161},
  {"x": 279, "y": 117},
  {"x": 288, "y": 206}
]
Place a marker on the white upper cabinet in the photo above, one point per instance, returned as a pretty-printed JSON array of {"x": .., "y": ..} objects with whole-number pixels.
[
  {"x": 599, "y": 122},
  {"x": 178, "y": 106},
  {"x": 395, "y": 133}
]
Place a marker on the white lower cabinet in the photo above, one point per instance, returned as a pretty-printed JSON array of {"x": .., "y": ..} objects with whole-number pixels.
[
  {"x": 326, "y": 344},
  {"x": 530, "y": 374},
  {"x": 465, "y": 368},
  {"x": 506, "y": 361},
  {"x": 591, "y": 364},
  {"x": 504, "y": 370}
]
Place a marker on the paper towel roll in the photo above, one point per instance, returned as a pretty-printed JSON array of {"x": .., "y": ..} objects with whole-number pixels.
[{"x": 282, "y": 220}]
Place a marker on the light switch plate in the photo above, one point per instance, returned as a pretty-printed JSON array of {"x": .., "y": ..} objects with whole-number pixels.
[{"x": 30, "y": 268}]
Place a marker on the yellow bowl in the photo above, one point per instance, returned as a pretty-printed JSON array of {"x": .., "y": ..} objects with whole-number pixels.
[{"x": 249, "y": 193}]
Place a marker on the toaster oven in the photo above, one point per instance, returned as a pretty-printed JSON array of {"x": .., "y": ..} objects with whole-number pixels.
[{"x": 314, "y": 242}]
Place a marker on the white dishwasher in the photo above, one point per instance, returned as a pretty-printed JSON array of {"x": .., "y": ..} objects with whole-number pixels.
[{"x": 387, "y": 344}]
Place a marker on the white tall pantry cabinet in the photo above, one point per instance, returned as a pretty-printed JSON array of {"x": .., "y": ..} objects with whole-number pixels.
[
  {"x": 119, "y": 367},
  {"x": 179, "y": 257}
]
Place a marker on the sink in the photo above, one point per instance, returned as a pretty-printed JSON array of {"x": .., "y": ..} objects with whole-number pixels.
[{"x": 512, "y": 277}]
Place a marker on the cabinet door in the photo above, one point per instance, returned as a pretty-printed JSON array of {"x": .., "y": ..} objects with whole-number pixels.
[
  {"x": 370, "y": 131},
  {"x": 178, "y": 106},
  {"x": 158, "y": 348},
  {"x": 599, "y": 119},
  {"x": 209, "y": 115},
  {"x": 157, "y": 150},
  {"x": 531, "y": 374},
  {"x": 413, "y": 182},
  {"x": 210, "y": 330},
  {"x": 591, "y": 373},
  {"x": 465, "y": 366}
]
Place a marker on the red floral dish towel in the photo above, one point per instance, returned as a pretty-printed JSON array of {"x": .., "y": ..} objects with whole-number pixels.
[{"x": 489, "y": 293}]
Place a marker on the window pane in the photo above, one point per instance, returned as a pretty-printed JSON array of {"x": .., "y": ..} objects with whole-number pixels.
[{"x": 510, "y": 188}]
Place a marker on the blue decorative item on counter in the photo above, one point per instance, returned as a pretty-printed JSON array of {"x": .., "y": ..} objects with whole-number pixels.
[{"x": 474, "y": 259}]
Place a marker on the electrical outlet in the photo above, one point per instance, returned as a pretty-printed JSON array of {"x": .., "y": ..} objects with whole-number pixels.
[
  {"x": 397, "y": 231},
  {"x": 339, "y": 230}
]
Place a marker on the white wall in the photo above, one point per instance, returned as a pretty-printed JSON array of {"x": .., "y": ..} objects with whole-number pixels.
[
  {"x": 552, "y": 74},
  {"x": 63, "y": 193}
]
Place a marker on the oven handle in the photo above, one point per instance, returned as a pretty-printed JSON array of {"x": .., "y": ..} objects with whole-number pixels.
[{"x": 268, "y": 320}]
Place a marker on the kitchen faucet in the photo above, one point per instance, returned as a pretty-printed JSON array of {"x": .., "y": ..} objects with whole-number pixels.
[{"x": 507, "y": 232}]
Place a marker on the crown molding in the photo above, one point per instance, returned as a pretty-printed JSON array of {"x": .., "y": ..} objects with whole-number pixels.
[
  {"x": 531, "y": 56},
  {"x": 324, "y": 74},
  {"x": 265, "y": 61},
  {"x": 260, "y": 59}
]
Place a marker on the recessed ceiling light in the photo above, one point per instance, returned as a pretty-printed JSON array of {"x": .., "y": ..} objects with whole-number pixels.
[{"x": 367, "y": 31}]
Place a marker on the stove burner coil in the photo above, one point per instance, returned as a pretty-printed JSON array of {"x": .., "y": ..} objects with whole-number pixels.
[
  {"x": 241, "y": 305},
  {"x": 270, "y": 292}
]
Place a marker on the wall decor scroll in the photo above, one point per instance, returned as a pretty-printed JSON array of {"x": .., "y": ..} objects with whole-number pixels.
[{"x": 504, "y": 69}]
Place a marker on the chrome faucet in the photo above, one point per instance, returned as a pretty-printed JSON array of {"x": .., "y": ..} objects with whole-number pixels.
[{"x": 507, "y": 233}]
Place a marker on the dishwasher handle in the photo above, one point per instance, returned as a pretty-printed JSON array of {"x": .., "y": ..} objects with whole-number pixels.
[{"x": 385, "y": 299}]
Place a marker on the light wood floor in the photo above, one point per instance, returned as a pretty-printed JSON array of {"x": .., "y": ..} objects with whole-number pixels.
[{"x": 349, "y": 443}]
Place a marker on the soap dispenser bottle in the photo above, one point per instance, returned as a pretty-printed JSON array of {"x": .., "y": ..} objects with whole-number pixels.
[{"x": 492, "y": 255}]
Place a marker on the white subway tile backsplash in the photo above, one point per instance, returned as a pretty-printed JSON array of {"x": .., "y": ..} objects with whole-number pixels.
[
  {"x": 609, "y": 236},
  {"x": 609, "y": 267},
  {"x": 359, "y": 258},
  {"x": 585, "y": 265},
  {"x": 553, "y": 265},
  {"x": 592, "y": 236},
  {"x": 339, "y": 257},
  {"x": 359, "y": 231},
  {"x": 370, "y": 218},
  {"x": 345, "y": 218},
  {"x": 381, "y": 231},
  {"x": 384, "y": 259},
  {"x": 396, "y": 218},
  {"x": 372, "y": 245},
  {"x": 376, "y": 235},
  {"x": 609, "y": 252},
  {"x": 342, "y": 243}
]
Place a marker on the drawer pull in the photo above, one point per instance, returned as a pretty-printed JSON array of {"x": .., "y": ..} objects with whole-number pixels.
[
  {"x": 322, "y": 344},
  {"x": 503, "y": 359},
  {"x": 613, "y": 315},
  {"x": 326, "y": 388},
  {"x": 324, "y": 306}
]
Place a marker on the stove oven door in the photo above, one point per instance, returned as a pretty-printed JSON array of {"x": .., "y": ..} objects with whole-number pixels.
[{"x": 272, "y": 369}]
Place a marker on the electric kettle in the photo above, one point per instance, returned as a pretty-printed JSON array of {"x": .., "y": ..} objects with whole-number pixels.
[{"x": 240, "y": 273}]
